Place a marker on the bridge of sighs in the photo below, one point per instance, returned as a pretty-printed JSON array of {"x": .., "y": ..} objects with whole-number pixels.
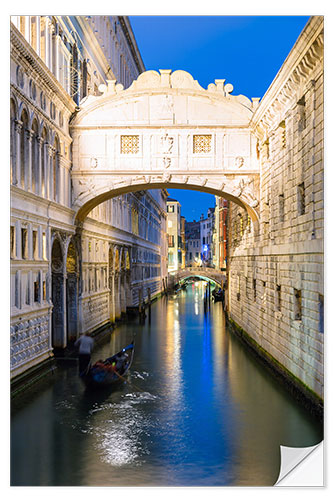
[{"x": 164, "y": 131}]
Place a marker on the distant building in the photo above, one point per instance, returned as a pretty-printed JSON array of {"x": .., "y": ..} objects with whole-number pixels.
[
  {"x": 193, "y": 243},
  {"x": 221, "y": 233},
  {"x": 183, "y": 240},
  {"x": 175, "y": 250},
  {"x": 207, "y": 227}
]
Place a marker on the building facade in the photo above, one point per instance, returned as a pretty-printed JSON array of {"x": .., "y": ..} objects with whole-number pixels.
[
  {"x": 68, "y": 279},
  {"x": 207, "y": 232},
  {"x": 193, "y": 244},
  {"x": 276, "y": 270},
  {"x": 220, "y": 236},
  {"x": 175, "y": 235}
]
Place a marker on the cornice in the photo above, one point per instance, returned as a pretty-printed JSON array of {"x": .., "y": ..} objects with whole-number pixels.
[
  {"x": 294, "y": 74},
  {"x": 26, "y": 52},
  {"x": 130, "y": 38}
]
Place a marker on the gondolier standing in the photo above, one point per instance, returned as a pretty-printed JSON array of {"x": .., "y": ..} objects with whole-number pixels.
[{"x": 85, "y": 344}]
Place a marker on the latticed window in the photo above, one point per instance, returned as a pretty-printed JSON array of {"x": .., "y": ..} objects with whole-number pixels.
[
  {"x": 202, "y": 143},
  {"x": 129, "y": 144}
]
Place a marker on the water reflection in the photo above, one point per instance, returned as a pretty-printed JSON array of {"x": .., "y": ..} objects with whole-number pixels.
[{"x": 197, "y": 410}]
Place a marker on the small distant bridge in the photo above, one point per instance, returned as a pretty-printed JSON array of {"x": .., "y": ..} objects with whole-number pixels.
[{"x": 205, "y": 273}]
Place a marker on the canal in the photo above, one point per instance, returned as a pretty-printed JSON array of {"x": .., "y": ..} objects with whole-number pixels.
[{"x": 197, "y": 410}]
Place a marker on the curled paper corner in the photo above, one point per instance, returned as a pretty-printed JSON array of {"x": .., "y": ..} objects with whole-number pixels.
[{"x": 302, "y": 466}]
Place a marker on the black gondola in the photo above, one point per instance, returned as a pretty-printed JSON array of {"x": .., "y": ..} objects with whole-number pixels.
[
  {"x": 110, "y": 371},
  {"x": 218, "y": 295}
]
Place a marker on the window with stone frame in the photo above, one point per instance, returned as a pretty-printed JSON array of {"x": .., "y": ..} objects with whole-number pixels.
[
  {"x": 301, "y": 114},
  {"x": 266, "y": 149},
  {"x": 27, "y": 290},
  {"x": 282, "y": 135},
  {"x": 36, "y": 290},
  {"x": 44, "y": 246},
  {"x": 297, "y": 304},
  {"x": 171, "y": 240},
  {"x": 254, "y": 286},
  {"x": 301, "y": 198},
  {"x": 12, "y": 242},
  {"x": 278, "y": 297},
  {"x": 24, "y": 243},
  {"x": 321, "y": 313},
  {"x": 281, "y": 207},
  {"x": 35, "y": 244},
  {"x": 247, "y": 287},
  {"x": 264, "y": 294}
]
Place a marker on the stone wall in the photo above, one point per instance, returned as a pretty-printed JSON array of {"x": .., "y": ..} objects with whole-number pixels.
[{"x": 276, "y": 270}]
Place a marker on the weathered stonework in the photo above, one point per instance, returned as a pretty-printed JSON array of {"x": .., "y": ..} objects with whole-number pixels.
[{"x": 276, "y": 274}]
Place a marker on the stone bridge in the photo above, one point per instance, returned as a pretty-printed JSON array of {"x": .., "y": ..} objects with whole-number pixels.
[
  {"x": 206, "y": 273},
  {"x": 165, "y": 131}
]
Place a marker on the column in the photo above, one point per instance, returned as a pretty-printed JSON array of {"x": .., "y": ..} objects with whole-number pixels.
[
  {"x": 40, "y": 189},
  {"x": 58, "y": 176},
  {"x": 49, "y": 170},
  {"x": 28, "y": 159},
  {"x": 46, "y": 171},
  {"x": 17, "y": 166}
]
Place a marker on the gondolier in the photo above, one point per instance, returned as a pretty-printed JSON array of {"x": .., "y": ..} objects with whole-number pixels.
[
  {"x": 110, "y": 371},
  {"x": 85, "y": 344}
]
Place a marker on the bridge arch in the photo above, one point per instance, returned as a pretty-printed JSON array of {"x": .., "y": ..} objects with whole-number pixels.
[
  {"x": 204, "y": 273},
  {"x": 202, "y": 277},
  {"x": 164, "y": 131}
]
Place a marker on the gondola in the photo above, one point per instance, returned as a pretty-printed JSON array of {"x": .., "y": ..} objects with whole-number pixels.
[
  {"x": 110, "y": 371},
  {"x": 217, "y": 295}
]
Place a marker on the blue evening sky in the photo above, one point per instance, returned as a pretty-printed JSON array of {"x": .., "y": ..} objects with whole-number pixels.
[{"x": 246, "y": 51}]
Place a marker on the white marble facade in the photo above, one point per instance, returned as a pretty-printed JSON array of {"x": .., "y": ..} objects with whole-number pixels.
[{"x": 65, "y": 278}]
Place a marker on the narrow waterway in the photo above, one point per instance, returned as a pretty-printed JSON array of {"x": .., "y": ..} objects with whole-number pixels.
[{"x": 197, "y": 410}]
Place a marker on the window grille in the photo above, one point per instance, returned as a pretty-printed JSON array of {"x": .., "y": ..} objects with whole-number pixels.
[
  {"x": 202, "y": 144},
  {"x": 129, "y": 144}
]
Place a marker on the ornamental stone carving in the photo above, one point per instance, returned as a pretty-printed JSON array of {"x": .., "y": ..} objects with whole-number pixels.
[
  {"x": 163, "y": 129},
  {"x": 166, "y": 143}
]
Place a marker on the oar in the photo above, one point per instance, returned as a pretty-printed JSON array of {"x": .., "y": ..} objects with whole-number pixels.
[{"x": 126, "y": 380}]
